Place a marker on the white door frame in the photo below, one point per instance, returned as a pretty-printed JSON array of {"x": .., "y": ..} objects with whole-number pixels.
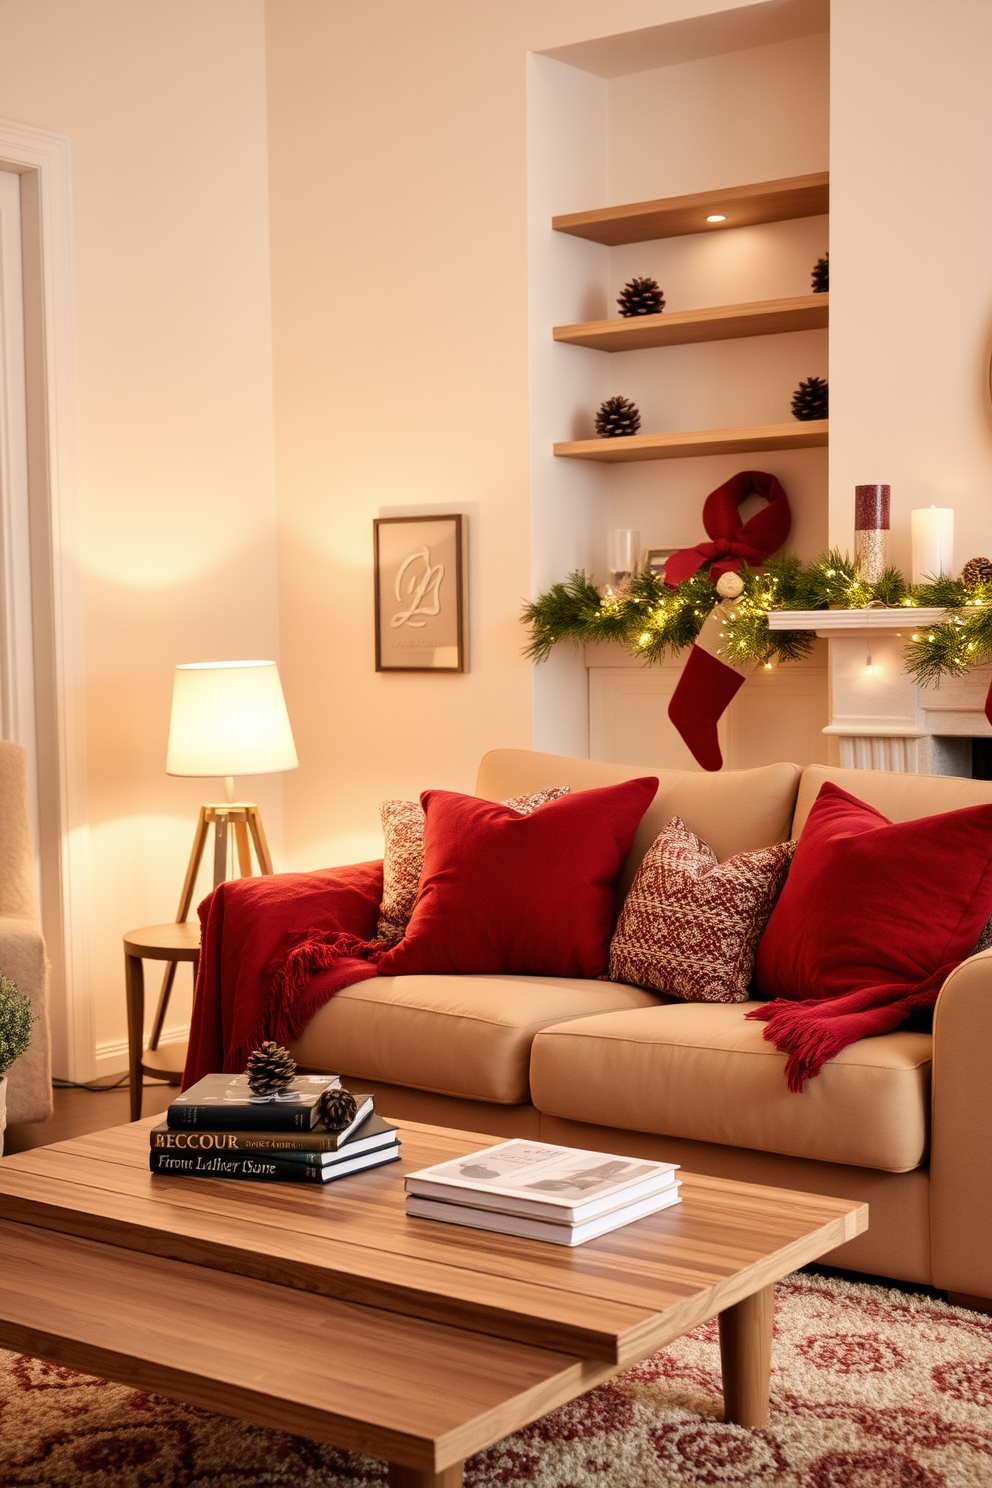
[{"x": 42, "y": 161}]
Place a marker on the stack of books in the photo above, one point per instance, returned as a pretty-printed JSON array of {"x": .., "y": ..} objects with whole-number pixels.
[
  {"x": 218, "y": 1129},
  {"x": 542, "y": 1192}
]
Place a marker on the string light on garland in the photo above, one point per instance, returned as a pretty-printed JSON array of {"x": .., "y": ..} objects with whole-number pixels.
[{"x": 654, "y": 622}]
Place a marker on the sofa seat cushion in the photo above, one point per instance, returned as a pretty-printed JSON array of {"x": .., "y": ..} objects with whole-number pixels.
[
  {"x": 702, "y": 1071},
  {"x": 466, "y": 1036}
]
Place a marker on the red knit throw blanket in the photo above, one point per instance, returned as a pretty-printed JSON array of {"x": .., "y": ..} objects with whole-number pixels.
[
  {"x": 274, "y": 950},
  {"x": 813, "y": 1031}
]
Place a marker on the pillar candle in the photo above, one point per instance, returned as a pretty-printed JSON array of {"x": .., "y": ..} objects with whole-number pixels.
[
  {"x": 871, "y": 529},
  {"x": 932, "y": 529}
]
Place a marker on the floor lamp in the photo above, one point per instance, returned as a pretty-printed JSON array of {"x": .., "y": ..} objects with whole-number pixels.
[{"x": 228, "y": 718}]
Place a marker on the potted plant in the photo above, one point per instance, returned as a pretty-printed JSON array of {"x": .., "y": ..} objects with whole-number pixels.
[{"x": 16, "y": 1018}]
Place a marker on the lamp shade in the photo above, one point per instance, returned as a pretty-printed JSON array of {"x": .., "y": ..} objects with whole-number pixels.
[{"x": 229, "y": 718}]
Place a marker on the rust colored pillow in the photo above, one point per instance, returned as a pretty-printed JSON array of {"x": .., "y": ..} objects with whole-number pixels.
[
  {"x": 519, "y": 895},
  {"x": 403, "y": 858},
  {"x": 690, "y": 924}
]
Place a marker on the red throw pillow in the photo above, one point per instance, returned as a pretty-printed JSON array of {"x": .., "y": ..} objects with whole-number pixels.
[
  {"x": 403, "y": 857},
  {"x": 531, "y": 895},
  {"x": 869, "y": 902}
]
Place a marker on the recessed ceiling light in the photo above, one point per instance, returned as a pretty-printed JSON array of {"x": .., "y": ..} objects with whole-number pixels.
[{"x": 717, "y": 217}]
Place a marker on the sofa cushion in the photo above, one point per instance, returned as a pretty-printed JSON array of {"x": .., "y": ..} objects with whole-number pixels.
[
  {"x": 466, "y": 1036},
  {"x": 704, "y": 1072},
  {"x": 735, "y": 811}
]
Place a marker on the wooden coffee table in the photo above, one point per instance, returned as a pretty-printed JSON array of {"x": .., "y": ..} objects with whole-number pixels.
[{"x": 327, "y": 1312}]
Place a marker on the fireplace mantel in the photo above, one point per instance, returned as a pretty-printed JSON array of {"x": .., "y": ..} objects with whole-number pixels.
[{"x": 881, "y": 717}]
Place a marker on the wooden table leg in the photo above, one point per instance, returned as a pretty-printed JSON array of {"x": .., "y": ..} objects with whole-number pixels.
[
  {"x": 414, "y": 1477},
  {"x": 134, "y": 978},
  {"x": 746, "y": 1358}
]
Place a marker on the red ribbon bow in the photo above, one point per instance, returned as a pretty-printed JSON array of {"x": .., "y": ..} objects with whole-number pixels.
[{"x": 731, "y": 543}]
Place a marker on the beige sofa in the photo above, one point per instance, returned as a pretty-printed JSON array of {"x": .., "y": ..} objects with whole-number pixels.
[
  {"x": 22, "y": 949},
  {"x": 903, "y": 1121}
]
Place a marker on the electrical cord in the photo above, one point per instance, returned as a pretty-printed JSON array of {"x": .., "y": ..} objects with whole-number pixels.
[{"x": 97, "y": 1088}]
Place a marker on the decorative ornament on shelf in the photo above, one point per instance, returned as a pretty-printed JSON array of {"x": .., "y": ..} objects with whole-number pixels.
[
  {"x": 641, "y": 297},
  {"x": 617, "y": 417},
  {"x": 730, "y": 586},
  {"x": 976, "y": 571},
  {"x": 336, "y": 1108},
  {"x": 871, "y": 529},
  {"x": 270, "y": 1068},
  {"x": 810, "y": 399},
  {"x": 821, "y": 275}
]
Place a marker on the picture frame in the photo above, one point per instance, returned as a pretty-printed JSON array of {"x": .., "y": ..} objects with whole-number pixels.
[
  {"x": 419, "y": 594},
  {"x": 655, "y": 560}
]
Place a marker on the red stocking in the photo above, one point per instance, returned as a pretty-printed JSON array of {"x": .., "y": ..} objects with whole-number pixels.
[{"x": 704, "y": 690}]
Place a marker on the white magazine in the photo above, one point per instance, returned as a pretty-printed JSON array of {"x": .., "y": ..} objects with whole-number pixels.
[
  {"x": 528, "y": 1228},
  {"x": 563, "y": 1184}
]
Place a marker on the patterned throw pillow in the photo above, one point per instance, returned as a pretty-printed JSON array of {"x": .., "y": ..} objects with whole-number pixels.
[
  {"x": 690, "y": 925},
  {"x": 403, "y": 859}
]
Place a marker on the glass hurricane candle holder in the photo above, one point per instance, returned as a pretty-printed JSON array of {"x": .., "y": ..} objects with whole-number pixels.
[{"x": 625, "y": 555}]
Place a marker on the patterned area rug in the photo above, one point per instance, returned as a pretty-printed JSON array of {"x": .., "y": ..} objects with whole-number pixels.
[{"x": 871, "y": 1389}]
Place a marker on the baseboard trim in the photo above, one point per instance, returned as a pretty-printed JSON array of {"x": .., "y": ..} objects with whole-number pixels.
[{"x": 111, "y": 1057}]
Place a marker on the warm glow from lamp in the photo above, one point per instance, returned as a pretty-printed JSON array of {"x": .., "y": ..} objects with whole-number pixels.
[
  {"x": 229, "y": 718},
  {"x": 716, "y": 217}
]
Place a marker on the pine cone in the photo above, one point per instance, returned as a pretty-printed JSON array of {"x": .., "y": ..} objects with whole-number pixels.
[
  {"x": 641, "y": 297},
  {"x": 270, "y": 1068},
  {"x": 821, "y": 275},
  {"x": 976, "y": 571},
  {"x": 617, "y": 416},
  {"x": 809, "y": 401},
  {"x": 336, "y": 1108}
]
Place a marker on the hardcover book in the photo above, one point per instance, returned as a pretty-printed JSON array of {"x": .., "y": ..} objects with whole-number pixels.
[
  {"x": 225, "y": 1103},
  {"x": 260, "y": 1168},
  {"x": 542, "y": 1181},
  {"x": 366, "y": 1133},
  {"x": 555, "y": 1231}
]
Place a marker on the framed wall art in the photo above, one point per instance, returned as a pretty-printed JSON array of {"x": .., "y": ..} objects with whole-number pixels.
[
  {"x": 419, "y": 594},
  {"x": 655, "y": 560}
]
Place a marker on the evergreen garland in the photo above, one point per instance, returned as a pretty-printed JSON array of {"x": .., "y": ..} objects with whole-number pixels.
[
  {"x": 652, "y": 621},
  {"x": 961, "y": 641}
]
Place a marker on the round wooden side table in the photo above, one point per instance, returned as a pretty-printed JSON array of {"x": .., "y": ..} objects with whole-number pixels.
[{"x": 176, "y": 941}]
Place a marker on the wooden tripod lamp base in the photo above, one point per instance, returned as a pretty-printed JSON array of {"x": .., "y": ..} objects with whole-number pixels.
[
  {"x": 244, "y": 820},
  {"x": 240, "y": 818},
  {"x": 228, "y": 718}
]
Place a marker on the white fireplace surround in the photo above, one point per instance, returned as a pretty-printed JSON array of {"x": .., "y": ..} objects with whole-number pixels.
[{"x": 881, "y": 717}]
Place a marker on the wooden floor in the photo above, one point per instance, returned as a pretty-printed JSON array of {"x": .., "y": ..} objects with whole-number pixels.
[{"x": 79, "y": 1112}]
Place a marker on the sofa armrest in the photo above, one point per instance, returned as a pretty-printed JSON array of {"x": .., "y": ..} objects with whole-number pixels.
[
  {"x": 961, "y": 1132},
  {"x": 23, "y": 960}
]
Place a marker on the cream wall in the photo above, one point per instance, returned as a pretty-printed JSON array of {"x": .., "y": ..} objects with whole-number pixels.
[
  {"x": 164, "y": 107},
  {"x": 398, "y": 150},
  {"x": 911, "y": 293}
]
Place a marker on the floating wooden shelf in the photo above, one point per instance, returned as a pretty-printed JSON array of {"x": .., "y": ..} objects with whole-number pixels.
[
  {"x": 716, "y": 323},
  {"x": 673, "y": 216},
  {"x": 795, "y": 435}
]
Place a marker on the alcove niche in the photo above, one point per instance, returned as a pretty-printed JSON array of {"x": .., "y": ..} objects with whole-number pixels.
[{"x": 722, "y": 101}]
